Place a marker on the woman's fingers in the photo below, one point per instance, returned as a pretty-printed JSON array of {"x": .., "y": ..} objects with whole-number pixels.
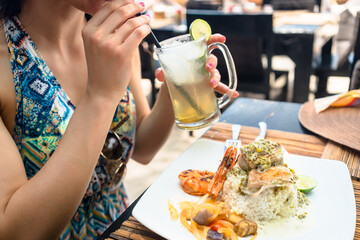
[
  {"x": 99, "y": 17},
  {"x": 224, "y": 89},
  {"x": 215, "y": 75},
  {"x": 216, "y": 38},
  {"x": 103, "y": 28},
  {"x": 136, "y": 36},
  {"x": 211, "y": 67},
  {"x": 219, "y": 86},
  {"x": 111, "y": 41},
  {"x": 214, "y": 83},
  {"x": 214, "y": 78},
  {"x": 235, "y": 94},
  {"x": 121, "y": 15},
  {"x": 113, "y": 24},
  {"x": 211, "y": 63},
  {"x": 130, "y": 26},
  {"x": 159, "y": 74}
]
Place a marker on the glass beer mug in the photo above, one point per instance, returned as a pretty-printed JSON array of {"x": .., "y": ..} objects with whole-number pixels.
[{"x": 194, "y": 101}]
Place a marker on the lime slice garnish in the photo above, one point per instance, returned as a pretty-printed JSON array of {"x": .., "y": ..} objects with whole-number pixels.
[
  {"x": 199, "y": 28},
  {"x": 305, "y": 183}
]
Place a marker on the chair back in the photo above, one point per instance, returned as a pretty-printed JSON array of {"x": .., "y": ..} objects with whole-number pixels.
[
  {"x": 355, "y": 66},
  {"x": 356, "y": 40},
  {"x": 294, "y": 4},
  {"x": 203, "y": 4},
  {"x": 249, "y": 37},
  {"x": 148, "y": 66}
]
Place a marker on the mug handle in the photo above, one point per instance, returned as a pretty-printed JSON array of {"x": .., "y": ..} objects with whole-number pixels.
[{"x": 224, "y": 99}]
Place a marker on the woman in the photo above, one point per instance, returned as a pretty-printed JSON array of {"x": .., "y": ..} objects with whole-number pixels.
[{"x": 88, "y": 65}]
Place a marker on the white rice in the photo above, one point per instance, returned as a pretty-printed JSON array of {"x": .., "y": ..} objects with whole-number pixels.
[{"x": 270, "y": 204}]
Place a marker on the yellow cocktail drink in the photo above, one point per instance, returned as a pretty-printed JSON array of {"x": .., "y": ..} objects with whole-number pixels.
[{"x": 183, "y": 61}]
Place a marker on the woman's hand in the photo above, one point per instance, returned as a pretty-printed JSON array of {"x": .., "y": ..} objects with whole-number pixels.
[
  {"x": 111, "y": 40},
  {"x": 211, "y": 67}
]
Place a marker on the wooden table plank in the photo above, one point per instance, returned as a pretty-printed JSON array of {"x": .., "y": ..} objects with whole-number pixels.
[
  {"x": 295, "y": 143},
  {"x": 349, "y": 156},
  {"x": 132, "y": 229}
]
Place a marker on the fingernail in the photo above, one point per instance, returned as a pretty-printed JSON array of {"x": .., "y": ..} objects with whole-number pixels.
[
  {"x": 147, "y": 15},
  {"x": 210, "y": 65},
  {"x": 142, "y": 4},
  {"x": 213, "y": 82},
  {"x": 157, "y": 70}
]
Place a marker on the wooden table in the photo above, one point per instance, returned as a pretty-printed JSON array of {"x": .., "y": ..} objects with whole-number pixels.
[{"x": 127, "y": 227}]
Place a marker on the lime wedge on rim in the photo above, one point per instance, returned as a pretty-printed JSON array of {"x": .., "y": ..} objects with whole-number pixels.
[
  {"x": 305, "y": 183},
  {"x": 199, "y": 28}
]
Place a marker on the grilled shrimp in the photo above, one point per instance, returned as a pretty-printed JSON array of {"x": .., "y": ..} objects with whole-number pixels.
[
  {"x": 195, "y": 182},
  {"x": 227, "y": 163}
]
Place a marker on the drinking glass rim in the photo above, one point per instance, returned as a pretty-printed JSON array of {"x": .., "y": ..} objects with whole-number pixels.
[{"x": 159, "y": 50}]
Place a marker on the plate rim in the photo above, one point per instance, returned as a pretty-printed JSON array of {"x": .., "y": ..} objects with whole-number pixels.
[{"x": 137, "y": 207}]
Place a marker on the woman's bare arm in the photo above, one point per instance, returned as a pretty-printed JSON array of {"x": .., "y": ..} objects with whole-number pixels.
[
  {"x": 152, "y": 127},
  {"x": 41, "y": 207}
]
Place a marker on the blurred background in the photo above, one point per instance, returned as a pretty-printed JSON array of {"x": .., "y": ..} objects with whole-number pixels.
[{"x": 284, "y": 50}]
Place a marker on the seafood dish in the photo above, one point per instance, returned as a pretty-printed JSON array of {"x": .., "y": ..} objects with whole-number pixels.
[
  {"x": 251, "y": 186},
  {"x": 165, "y": 204},
  {"x": 262, "y": 186}
]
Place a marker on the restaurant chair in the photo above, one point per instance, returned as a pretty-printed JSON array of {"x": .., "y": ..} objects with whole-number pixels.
[
  {"x": 355, "y": 73},
  {"x": 148, "y": 67},
  {"x": 342, "y": 62},
  {"x": 309, "y": 5},
  {"x": 355, "y": 77},
  {"x": 249, "y": 38},
  {"x": 203, "y": 4}
]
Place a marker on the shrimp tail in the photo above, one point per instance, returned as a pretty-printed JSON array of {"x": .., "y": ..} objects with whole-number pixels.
[{"x": 228, "y": 162}]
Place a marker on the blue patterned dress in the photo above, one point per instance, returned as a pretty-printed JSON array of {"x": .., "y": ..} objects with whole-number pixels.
[{"x": 43, "y": 111}]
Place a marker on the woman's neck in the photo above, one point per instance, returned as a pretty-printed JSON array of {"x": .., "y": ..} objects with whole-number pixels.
[{"x": 52, "y": 23}]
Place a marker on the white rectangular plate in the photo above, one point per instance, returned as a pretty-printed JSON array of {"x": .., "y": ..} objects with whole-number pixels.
[{"x": 331, "y": 214}]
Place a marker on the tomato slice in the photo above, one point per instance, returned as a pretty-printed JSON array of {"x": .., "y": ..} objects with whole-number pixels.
[{"x": 221, "y": 224}]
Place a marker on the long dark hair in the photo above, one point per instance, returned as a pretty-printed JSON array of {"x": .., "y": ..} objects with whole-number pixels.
[{"x": 10, "y": 8}]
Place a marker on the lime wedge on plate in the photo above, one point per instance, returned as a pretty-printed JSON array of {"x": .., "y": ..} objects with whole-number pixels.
[
  {"x": 199, "y": 28},
  {"x": 305, "y": 183}
]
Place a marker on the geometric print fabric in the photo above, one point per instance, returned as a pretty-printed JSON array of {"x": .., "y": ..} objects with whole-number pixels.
[{"x": 43, "y": 113}]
